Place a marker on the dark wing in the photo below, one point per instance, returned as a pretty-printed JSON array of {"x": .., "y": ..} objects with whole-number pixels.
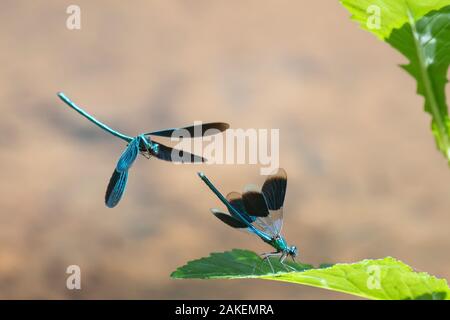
[
  {"x": 166, "y": 153},
  {"x": 274, "y": 189},
  {"x": 265, "y": 220},
  {"x": 116, "y": 188},
  {"x": 254, "y": 202},
  {"x": 229, "y": 220},
  {"x": 236, "y": 218},
  {"x": 199, "y": 130},
  {"x": 128, "y": 157},
  {"x": 235, "y": 199}
]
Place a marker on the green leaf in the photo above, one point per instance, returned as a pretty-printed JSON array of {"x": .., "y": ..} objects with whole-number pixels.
[
  {"x": 385, "y": 278},
  {"x": 420, "y": 30}
]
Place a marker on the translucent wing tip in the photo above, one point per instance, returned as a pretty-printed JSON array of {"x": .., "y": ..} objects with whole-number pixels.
[
  {"x": 251, "y": 188},
  {"x": 233, "y": 195},
  {"x": 280, "y": 173}
]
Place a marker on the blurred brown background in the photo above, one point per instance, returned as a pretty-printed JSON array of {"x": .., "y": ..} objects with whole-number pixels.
[{"x": 365, "y": 178}]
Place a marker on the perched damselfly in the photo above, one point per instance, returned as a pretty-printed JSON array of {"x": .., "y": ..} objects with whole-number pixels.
[{"x": 259, "y": 212}]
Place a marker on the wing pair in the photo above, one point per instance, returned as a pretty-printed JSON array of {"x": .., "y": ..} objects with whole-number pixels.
[
  {"x": 118, "y": 182},
  {"x": 263, "y": 209},
  {"x": 167, "y": 153},
  {"x": 199, "y": 130}
]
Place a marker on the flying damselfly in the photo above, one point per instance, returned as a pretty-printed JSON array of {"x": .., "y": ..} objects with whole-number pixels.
[{"x": 147, "y": 147}]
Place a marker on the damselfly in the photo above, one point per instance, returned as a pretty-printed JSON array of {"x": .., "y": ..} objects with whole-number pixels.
[
  {"x": 258, "y": 212},
  {"x": 144, "y": 145}
]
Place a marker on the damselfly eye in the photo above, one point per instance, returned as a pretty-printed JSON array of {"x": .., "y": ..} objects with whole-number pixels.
[{"x": 293, "y": 251}]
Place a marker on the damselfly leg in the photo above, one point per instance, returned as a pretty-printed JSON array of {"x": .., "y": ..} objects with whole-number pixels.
[
  {"x": 266, "y": 257},
  {"x": 146, "y": 146},
  {"x": 286, "y": 266},
  {"x": 283, "y": 256}
]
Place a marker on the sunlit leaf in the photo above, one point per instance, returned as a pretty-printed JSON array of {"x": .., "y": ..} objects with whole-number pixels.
[
  {"x": 385, "y": 278},
  {"x": 420, "y": 30}
]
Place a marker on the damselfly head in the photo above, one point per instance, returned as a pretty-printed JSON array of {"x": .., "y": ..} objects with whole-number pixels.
[
  {"x": 146, "y": 146},
  {"x": 292, "y": 251},
  {"x": 144, "y": 143}
]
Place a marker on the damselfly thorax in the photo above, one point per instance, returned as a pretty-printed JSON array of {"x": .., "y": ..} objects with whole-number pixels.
[{"x": 146, "y": 147}]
